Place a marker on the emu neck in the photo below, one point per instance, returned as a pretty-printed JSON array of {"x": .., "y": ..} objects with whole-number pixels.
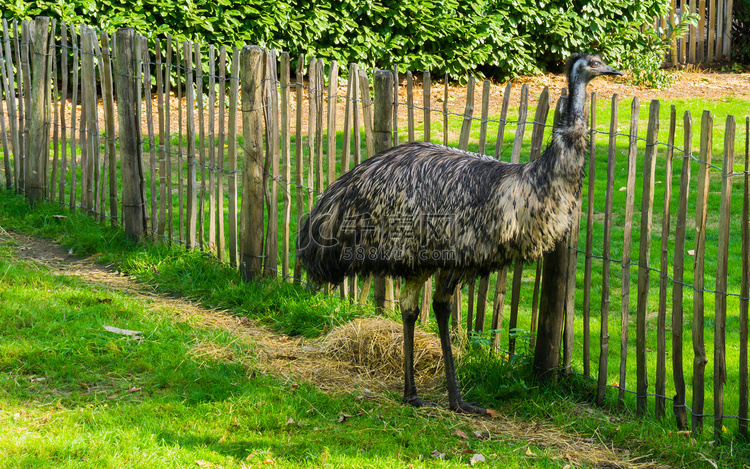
[{"x": 576, "y": 99}]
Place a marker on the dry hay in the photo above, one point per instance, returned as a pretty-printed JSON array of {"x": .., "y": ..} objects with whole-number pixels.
[
  {"x": 365, "y": 353},
  {"x": 375, "y": 346}
]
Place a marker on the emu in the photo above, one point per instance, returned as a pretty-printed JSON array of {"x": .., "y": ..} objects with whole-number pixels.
[{"x": 421, "y": 209}]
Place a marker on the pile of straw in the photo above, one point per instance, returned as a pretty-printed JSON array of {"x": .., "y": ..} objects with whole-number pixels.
[{"x": 375, "y": 346}]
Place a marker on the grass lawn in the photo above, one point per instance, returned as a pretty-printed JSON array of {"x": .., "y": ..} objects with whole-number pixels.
[{"x": 73, "y": 394}]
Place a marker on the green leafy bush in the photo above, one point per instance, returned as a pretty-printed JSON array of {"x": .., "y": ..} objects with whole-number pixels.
[
  {"x": 741, "y": 32},
  {"x": 499, "y": 38}
]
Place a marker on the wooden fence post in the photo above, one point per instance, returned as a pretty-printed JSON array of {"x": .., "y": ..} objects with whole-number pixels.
[
  {"x": 679, "y": 408},
  {"x": 647, "y": 209},
  {"x": 722, "y": 267},
  {"x": 35, "y": 190},
  {"x": 701, "y": 208},
  {"x": 251, "y": 214},
  {"x": 382, "y": 140},
  {"x": 125, "y": 83},
  {"x": 551, "y": 313}
]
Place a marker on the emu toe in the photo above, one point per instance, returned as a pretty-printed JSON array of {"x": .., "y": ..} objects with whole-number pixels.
[
  {"x": 465, "y": 408},
  {"x": 416, "y": 401}
]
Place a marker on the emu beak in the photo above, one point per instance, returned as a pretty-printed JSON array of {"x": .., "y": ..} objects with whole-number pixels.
[{"x": 611, "y": 71}]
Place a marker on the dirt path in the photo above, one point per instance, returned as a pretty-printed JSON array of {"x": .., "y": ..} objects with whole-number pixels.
[{"x": 295, "y": 359}]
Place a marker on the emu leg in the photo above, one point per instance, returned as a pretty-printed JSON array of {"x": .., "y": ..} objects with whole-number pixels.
[
  {"x": 409, "y": 313},
  {"x": 441, "y": 304}
]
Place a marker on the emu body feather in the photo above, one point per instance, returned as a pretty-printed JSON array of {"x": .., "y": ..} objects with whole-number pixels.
[{"x": 420, "y": 209}]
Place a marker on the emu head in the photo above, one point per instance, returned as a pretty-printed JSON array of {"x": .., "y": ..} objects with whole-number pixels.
[{"x": 584, "y": 67}]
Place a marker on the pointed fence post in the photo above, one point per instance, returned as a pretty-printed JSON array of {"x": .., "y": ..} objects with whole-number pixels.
[
  {"x": 39, "y": 126},
  {"x": 130, "y": 162},
  {"x": 382, "y": 140},
  {"x": 251, "y": 212}
]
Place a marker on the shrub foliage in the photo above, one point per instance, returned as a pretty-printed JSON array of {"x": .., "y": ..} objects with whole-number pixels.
[{"x": 499, "y": 38}]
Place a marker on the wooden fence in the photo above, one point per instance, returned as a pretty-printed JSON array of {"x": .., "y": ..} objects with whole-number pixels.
[
  {"x": 636, "y": 254},
  {"x": 708, "y": 41}
]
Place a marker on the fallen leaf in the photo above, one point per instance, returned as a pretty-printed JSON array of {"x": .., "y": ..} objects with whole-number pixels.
[
  {"x": 112, "y": 396},
  {"x": 290, "y": 421},
  {"x": 117, "y": 330},
  {"x": 343, "y": 418},
  {"x": 476, "y": 459},
  {"x": 481, "y": 435},
  {"x": 493, "y": 413},
  {"x": 269, "y": 461},
  {"x": 437, "y": 454},
  {"x": 460, "y": 434},
  {"x": 132, "y": 390},
  {"x": 529, "y": 452}
]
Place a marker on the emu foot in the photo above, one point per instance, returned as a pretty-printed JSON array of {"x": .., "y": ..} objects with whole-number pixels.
[
  {"x": 465, "y": 408},
  {"x": 415, "y": 401}
]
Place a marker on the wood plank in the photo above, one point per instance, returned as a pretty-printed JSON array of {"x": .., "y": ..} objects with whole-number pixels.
[
  {"x": 678, "y": 374},
  {"x": 333, "y": 81},
  {"x": 108, "y": 99},
  {"x": 396, "y": 92},
  {"x": 356, "y": 121},
  {"x": 661, "y": 325},
  {"x": 626, "y": 246},
  {"x": 602, "y": 374},
  {"x": 382, "y": 140},
  {"x": 587, "y": 263},
  {"x": 693, "y": 37},
  {"x": 701, "y": 36},
  {"x": 722, "y": 268},
  {"x": 232, "y": 203},
  {"x": 644, "y": 259},
  {"x": 515, "y": 297},
  {"x": 320, "y": 87},
  {"x": 521, "y": 126},
  {"x": 426, "y": 95},
  {"x": 271, "y": 165},
  {"x": 364, "y": 85},
  {"x": 503, "y": 122},
  {"x": 298, "y": 158},
  {"x": 286, "y": 164},
  {"x": 711, "y": 30},
  {"x": 168, "y": 135},
  {"x": 349, "y": 103},
  {"x": 7, "y": 166},
  {"x": 701, "y": 207},
  {"x": 312, "y": 123},
  {"x": 410, "y": 104},
  {"x": 200, "y": 103},
  {"x": 161, "y": 218},
  {"x": 23, "y": 82},
  {"x": 151, "y": 136},
  {"x": 54, "y": 111},
  {"x": 485, "y": 116},
  {"x": 181, "y": 189},
  {"x": 211, "y": 142},
  {"x": 744, "y": 376},
  {"x": 138, "y": 119},
  {"x": 126, "y": 83},
  {"x": 73, "y": 114},
  {"x": 445, "y": 112},
  {"x": 463, "y": 141},
  {"x": 38, "y": 148},
  {"x": 192, "y": 212},
  {"x": 10, "y": 99},
  {"x": 221, "y": 243},
  {"x": 251, "y": 79}
]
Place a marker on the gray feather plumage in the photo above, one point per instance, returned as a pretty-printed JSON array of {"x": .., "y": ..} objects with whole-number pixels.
[{"x": 420, "y": 207}]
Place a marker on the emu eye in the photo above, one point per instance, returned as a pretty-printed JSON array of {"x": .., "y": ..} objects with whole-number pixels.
[{"x": 595, "y": 63}]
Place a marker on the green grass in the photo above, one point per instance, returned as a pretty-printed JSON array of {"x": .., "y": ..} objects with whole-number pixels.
[{"x": 65, "y": 382}]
